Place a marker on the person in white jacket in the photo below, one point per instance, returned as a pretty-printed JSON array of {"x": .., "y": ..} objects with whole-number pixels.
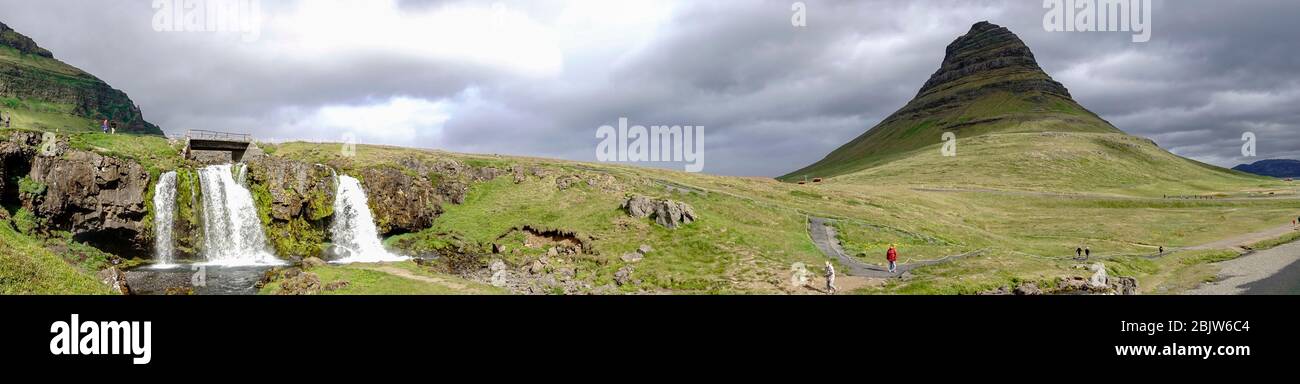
[{"x": 830, "y": 278}]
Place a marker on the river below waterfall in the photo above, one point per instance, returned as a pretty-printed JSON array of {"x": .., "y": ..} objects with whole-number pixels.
[{"x": 205, "y": 280}]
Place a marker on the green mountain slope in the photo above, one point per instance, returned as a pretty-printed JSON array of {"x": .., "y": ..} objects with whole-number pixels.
[
  {"x": 46, "y": 94},
  {"x": 1015, "y": 127}
]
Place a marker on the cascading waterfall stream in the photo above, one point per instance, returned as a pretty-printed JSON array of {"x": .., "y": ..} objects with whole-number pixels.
[
  {"x": 356, "y": 240},
  {"x": 241, "y": 175},
  {"x": 164, "y": 205},
  {"x": 232, "y": 231}
]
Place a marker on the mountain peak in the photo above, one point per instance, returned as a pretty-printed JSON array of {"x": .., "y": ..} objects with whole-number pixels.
[
  {"x": 24, "y": 44},
  {"x": 988, "y": 82},
  {"x": 989, "y": 47}
]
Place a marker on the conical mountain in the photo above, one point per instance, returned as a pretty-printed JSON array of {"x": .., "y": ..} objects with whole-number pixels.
[{"x": 1015, "y": 127}]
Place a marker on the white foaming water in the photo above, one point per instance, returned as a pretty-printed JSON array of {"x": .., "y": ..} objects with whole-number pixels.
[
  {"x": 356, "y": 239},
  {"x": 232, "y": 232},
  {"x": 164, "y": 206}
]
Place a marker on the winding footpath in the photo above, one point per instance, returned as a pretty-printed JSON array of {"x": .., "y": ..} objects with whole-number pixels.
[
  {"x": 1274, "y": 271},
  {"x": 823, "y": 235}
]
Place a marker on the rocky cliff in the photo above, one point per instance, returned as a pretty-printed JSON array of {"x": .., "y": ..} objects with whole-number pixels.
[
  {"x": 296, "y": 198},
  {"x": 100, "y": 200},
  {"x": 296, "y": 202}
]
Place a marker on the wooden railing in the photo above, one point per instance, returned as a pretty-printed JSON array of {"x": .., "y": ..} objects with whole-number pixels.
[{"x": 198, "y": 134}]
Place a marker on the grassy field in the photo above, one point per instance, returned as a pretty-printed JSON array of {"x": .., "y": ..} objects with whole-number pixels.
[
  {"x": 752, "y": 229},
  {"x": 28, "y": 267},
  {"x": 376, "y": 279},
  {"x": 737, "y": 246}
]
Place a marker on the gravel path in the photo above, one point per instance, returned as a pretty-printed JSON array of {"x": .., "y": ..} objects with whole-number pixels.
[
  {"x": 1273, "y": 271},
  {"x": 1238, "y": 242},
  {"x": 823, "y": 235}
]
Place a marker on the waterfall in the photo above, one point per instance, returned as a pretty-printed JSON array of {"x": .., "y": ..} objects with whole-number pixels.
[
  {"x": 164, "y": 206},
  {"x": 232, "y": 231},
  {"x": 241, "y": 175},
  {"x": 356, "y": 240}
]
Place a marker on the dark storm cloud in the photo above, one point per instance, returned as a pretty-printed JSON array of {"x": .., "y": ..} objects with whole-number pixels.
[{"x": 772, "y": 97}]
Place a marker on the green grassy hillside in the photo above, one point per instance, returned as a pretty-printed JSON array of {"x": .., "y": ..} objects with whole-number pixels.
[
  {"x": 1060, "y": 162},
  {"x": 1015, "y": 128},
  {"x": 47, "y": 94},
  {"x": 998, "y": 112},
  {"x": 752, "y": 230},
  {"x": 27, "y": 266}
]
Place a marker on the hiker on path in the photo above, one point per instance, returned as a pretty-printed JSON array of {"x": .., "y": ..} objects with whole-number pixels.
[
  {"x": 830, "y": 278},
  {"x": 1162, "y": 250},
  {"x": 103, "y": 126},
  {"x": 1078, "y": 253},
  {"x": 1087, "y": 253},
  {"x": 892, "y": 256}
]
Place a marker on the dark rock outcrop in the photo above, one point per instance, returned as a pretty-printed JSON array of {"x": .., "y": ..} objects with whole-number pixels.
[
  {"x": 16, "y": 153},
  {"x": 299, "y": 198},
  {"x": 115, "y": 279},
  {"x": 988, "y": 47},
  {"x": 985, "y": 60},
  {"x": 668, "y": 213},
  {"x": 98, "y": 199},
  {"x": 303, "y": 283},
  {"x": 409, "y": 197},
  {"x": 24, "y": 44},
  {"x": 403, "y": 203},
  {"x": 296, "y": 188}
]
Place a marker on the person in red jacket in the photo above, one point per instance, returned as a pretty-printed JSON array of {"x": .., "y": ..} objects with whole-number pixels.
[{"x": 892, "y": 256}]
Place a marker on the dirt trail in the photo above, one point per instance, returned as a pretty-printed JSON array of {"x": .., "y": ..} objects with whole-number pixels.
[
  {"x": 395, "y": 271},
  {"x": 823, "y": 235},
  {"x": 1085, "y": 195},
  {"x": 1255, "y": 272},
  {"x": 1241, "y": 241}
]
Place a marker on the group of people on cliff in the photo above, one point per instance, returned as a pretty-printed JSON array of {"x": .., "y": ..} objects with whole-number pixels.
[{"x": 6, "y": 121}]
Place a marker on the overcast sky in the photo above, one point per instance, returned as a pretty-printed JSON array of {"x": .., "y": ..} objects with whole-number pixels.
[{"x": 539, "y": 77}]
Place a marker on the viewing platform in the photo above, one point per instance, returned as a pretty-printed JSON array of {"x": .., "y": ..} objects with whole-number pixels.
[{"x": 203, "y": 145}]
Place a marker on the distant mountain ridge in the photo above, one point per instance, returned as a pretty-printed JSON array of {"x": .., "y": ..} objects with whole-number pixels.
[
  {"x": 1275, "y": 168},
  {"x": 45, "y": 93}
]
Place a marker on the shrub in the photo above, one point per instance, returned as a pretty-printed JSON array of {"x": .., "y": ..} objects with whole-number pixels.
[{"x": 31, "y": 188}]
